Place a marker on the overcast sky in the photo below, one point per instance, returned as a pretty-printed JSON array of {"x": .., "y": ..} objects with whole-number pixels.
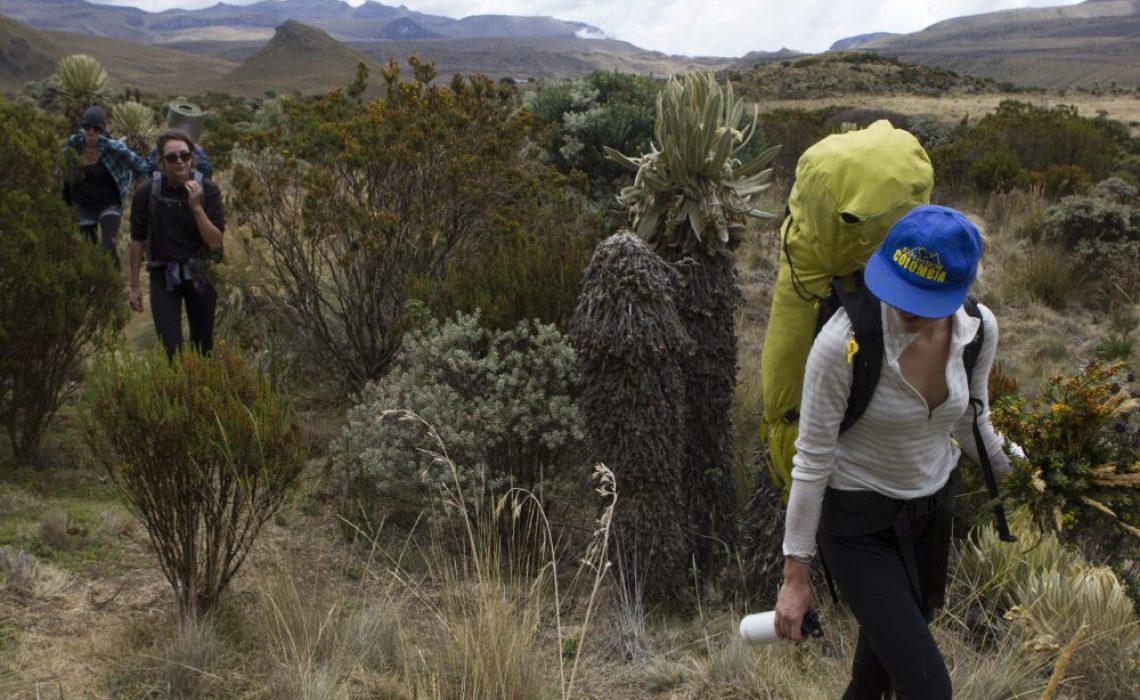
[{"x": 706, "y": 27}]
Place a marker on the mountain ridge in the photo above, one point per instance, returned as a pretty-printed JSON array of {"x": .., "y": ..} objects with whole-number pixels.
[
  {"x": 339, "y": 19},
  {"x": 1095, "y": 43}
]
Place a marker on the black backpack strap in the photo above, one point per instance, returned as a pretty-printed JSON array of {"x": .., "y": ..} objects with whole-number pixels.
[
  {"x": 970, "y": 360},
  {"x": 864, "y": 312},
  {"x": 155, "y": 193},
  {"x": 973, "y": 349},
  {"x": 156, "y": 197}
]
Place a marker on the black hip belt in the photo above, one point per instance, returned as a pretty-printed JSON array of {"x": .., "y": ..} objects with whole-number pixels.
[{"x": 855, "y": 513}]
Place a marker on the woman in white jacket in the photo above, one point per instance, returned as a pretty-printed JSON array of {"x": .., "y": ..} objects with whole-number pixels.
[{"x": 878, "y": 498}]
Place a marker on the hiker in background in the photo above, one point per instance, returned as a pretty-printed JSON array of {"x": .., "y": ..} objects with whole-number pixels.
[
  {"x": 879, "y": 497},
  {"x": 178, "y": 220},
  {"x": 101, "y": 180}
]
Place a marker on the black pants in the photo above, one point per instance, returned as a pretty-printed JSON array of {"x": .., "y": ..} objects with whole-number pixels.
[
  {"x": 166, "y": 308},
  {"x": 895, "y": 650},
  {"x": 105, "y": 237}
]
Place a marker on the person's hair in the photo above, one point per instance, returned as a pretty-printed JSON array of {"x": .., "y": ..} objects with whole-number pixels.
[{"x": 175, "y": 135}]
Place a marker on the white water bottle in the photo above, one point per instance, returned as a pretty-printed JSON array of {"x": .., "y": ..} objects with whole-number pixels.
[{"x": 760, "y": 628}]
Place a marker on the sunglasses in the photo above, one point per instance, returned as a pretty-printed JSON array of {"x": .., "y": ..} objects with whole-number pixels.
[
  {"x": 183, "y": 156},
  {"x": 91, "y": 127}
]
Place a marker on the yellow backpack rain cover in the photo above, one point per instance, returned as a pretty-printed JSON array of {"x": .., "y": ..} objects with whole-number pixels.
[{"x": 850, "y": 189}]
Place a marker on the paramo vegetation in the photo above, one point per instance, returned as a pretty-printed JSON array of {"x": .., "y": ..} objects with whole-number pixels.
[{"x": 426, "y": 421}]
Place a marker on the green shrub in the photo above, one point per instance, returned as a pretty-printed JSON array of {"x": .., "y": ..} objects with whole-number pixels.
[
  {"x": 1116, "y": 346},
  {"x": 531, "y": 270},
  {"x": 1021, "y": 136},
  {"x": 997, "y": 172},
  {"x": 1080, "y": 219},
  {"x": 350, "y": 203},
  {"x": 202, "y": 449},
  {"x": 59, "y": 296},
  {"x": 930, "y": 130},
  {"x": 952, "y": 163},
  {"x": 1103, "y": 237},
  {"x": 584, "y": 114},
  {"x": 1116, "y": 189},
  {"x": 1060, "y": 180},
  {"x": 500, "y": 403},
  {"x": 1039, "y": 137},
  {"x": 795, "y": 130}
]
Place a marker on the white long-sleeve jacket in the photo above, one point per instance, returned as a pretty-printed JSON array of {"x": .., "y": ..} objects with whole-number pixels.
[{"x": 899, "y": 447}]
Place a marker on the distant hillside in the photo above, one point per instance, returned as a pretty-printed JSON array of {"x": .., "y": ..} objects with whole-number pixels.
[
  {"x": 408, "y": 29},
  {"x": 25, "y": 54},
  {"x": 154, "y": 68},
  {"x": 370, "y": 21},
  {"x": 854, "y": 42},
  {"x": 758, "y": 58},
  {"x": 1097, "y": 41},
  {"x": 298, "y": 58},
  {"x": 839, "y": 73},
  {"x": 536, "y": 58},
  {"x": 518, "y": 59}
]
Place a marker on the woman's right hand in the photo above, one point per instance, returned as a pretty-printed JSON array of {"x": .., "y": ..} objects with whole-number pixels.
[
  {"x": 134, "y": 298},
  {"x": 796, "y": 598}
]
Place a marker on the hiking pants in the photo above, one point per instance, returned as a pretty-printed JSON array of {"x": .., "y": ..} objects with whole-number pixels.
[
  {"x": 166, "y": 308},
  {"x": 895, "y": 650},
  {"x": 107, "y": 220}
]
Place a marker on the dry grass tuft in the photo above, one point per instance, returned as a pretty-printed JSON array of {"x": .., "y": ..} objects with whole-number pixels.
[
  {"x": 662, "y": 675},
  {"x": 733, "y": 670},
  {"x": 1037, "y": 341},
  {"x": 491, "y": 647},
  {"x": 1045, "y": 274},
  {"x": 22, "y": 572},
  {"x": 191, "y": 655},
  {"x": 308, "y": 683},
  {"x": 58, "y": 531},
  {"x": 323, "y": 637},
  {"x": 492, "y": 611},
  {"x": 120, "y": 522},
  {"x": 998, "y": 671}
]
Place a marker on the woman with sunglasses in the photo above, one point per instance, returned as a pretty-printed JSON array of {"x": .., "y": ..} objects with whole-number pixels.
[
  {"x": 177, "y": 222},
  {"x": 878, "y": 497},
  {"x": 100, "y": 180}
]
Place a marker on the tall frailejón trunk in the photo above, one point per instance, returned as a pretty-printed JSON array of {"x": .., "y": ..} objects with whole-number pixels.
[
  {"x": 631, "y": 345},
  {"x": 689, "y": 200},
  {"x": 707, "y": 304}
]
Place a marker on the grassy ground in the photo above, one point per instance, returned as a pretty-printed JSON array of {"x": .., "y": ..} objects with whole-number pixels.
[
  {"x": 954, "y": 107},
  {"x": 85, "y": 611}
]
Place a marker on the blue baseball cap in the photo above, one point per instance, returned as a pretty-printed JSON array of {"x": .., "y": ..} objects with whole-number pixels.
[{"x": 927, "y": 262}]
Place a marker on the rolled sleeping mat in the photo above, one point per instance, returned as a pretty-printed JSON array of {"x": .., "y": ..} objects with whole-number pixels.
[{"x": 185, "y": 116}]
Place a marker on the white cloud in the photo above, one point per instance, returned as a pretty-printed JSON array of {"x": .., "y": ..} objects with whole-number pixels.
[
  {"x": 591, "y": 34},
  {"x": 707, "y": 27}
]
